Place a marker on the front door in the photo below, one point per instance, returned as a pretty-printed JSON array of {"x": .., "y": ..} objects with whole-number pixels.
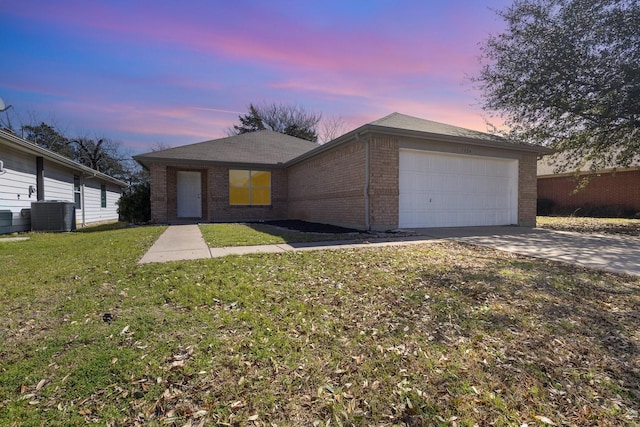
[{"x": 189, "y": 195}]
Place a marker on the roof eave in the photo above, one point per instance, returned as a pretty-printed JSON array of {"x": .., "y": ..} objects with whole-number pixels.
[
  {"x": 408, "y": 133},
  {"x": 147, "y": 160},
  {"x": 506, "y": 144},
  {"x": 25, "y": 146}
]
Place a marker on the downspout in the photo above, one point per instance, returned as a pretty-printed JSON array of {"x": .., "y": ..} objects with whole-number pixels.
[{"x": 367, "y": 166}]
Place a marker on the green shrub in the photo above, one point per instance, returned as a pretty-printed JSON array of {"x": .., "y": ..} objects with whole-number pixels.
[{"x": 135, "y": 204}]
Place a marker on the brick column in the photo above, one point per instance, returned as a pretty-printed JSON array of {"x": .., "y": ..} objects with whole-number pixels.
[
  {"x": 158, "y": 193},
  {"x": 527, "y": 190}
]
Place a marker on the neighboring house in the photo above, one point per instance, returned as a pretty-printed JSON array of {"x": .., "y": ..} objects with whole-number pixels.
[
  {"x": 396, "y": 172},
  {"x": 611, "y": 191},
  {"x": 30, "y": 173}
]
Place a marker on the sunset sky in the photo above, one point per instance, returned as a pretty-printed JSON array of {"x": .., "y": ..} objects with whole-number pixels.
[{"x": 145, "y": 73}]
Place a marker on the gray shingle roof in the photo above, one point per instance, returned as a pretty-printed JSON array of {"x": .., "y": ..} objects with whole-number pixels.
[
  {"x": 547, "y": 165},
  {"x": 404, "y": 122},
  {"x": 261, "y": 147}
]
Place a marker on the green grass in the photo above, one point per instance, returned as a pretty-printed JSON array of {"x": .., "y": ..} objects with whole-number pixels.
[
  {"x": 221, "y": 235},
  {"x": 423, "y": 335}
]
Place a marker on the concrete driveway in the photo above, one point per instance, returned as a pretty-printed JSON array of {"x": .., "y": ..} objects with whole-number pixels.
[{"x": 618, "y": 254}]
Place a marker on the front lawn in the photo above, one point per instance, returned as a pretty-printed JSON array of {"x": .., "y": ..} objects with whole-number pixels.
[
  {"x": 221, "y": 235},
  {"x": 439, "y": 334},
  {"x": 591, "y": 225}
]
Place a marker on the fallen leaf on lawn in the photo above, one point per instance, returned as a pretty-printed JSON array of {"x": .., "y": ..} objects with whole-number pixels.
[
  {"x": 544, "y": 419},
  {"x": 23, "y": 389},
  {"x": 124, "y": 330},
  {"x": 358, "y": 359},
  {"x": 41, "y": 384},
  {"x": 238, "y": 404},
  {"x": 113, "y": 361},
  {"x": 176, "y": 364},
  {"x": 253, "y": 417},
  {"x": 201, "y": 413},
  {"x": 184, "y": 355},
  {"x": 151, "y": 409},
  {"x": 84, "y": 412}
]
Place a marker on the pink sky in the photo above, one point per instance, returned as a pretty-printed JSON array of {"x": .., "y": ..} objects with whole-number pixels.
[{"x": 148, "y": 73}]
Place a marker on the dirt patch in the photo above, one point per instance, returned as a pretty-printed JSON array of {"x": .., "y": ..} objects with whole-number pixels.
[{"x": 309, "y": 227}]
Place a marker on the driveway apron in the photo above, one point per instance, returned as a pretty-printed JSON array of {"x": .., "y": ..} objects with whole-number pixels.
[{"x": 617, "y": 254}]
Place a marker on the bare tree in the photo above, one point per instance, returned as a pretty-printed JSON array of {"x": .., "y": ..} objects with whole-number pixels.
[
  {"x": 331, "y": 128},
  {"x": 101, "y": 154}
]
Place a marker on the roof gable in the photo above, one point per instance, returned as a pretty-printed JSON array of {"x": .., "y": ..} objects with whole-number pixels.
[
  {"x": 260, "y": 147},
  {"x": 404, "y": 122},
  {"x": 401, "y": 125}
]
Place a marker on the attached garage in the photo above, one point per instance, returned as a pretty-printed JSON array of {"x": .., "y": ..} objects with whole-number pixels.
[{"x": 450, "y": 190}]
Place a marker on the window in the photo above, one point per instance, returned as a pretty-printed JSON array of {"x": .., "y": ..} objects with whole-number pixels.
[
  {"x": 251, "y": 188},
  {"x": 103, "y": 196},
  {"x": 76, "y": 192}
]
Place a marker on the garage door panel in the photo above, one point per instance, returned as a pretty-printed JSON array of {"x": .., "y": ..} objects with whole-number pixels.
[{"x": 443, "y": 190}]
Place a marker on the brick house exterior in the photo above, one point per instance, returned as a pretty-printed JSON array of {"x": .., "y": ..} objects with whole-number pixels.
[
  {"x": 353, "y": 181},
  {"x": 619, "y": 189}
]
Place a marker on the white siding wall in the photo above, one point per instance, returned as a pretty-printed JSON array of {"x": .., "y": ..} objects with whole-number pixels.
[
  {"x": 58, "y": 183},
  {"x": 93, "y": 210},
  {"x": 14, "y": 187}
]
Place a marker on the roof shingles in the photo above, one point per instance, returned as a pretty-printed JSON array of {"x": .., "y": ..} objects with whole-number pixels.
[
  {"x": 261, "y": 147},
  {"x": 272, "y": 148}
]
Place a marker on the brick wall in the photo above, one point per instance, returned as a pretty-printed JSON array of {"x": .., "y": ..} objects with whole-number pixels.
[
  {"x": 329, "y": 188},
  {"x": 158, "y": 193},
  {"x": 384, "y": 183},
  {"x": 606, "y": 189},
  {"x": 527, "y": 190},
  {"x": 215, "y": 195},
  {"x": 218, "y": 199}
]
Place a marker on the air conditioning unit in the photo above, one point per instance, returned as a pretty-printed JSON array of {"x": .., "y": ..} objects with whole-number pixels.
[{"x": 53, "y": 215}]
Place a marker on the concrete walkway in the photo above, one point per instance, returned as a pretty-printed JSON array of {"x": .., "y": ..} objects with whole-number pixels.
[
  {"x": 178, "y": 243},
  {"x": 185, "y": 242},
  {"x": 618, "y": 254}
]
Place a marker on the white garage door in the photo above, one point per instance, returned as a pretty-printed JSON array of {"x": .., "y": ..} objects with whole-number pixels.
[{"x": 447, "y": 190}]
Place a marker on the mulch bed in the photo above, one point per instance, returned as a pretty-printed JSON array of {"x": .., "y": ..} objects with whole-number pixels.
[{"x": 309, "y": 227}]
